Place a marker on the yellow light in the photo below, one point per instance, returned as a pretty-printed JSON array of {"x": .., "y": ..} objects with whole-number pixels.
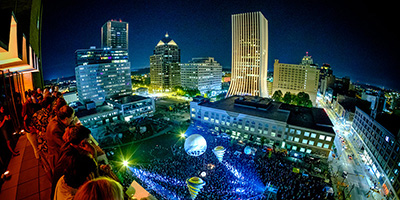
[
  {"x": 125, "y": 163},
  {"x": 182, "y": 135}
]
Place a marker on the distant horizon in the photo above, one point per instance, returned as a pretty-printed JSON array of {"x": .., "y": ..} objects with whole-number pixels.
[
  {"x": 353, "y": 82},
  {"x": 356, "y": 38}
]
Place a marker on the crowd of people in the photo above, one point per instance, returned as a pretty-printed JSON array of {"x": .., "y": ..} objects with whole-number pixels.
[
  {"x": 65, "y": 148},
  {"x": 238, "y": 176}
]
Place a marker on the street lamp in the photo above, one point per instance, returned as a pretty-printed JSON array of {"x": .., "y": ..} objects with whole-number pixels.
[{"x": 125, "y": 163}]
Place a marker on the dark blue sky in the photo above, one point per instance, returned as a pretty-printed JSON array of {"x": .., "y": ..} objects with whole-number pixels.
[{"x": 358, "y": 39}]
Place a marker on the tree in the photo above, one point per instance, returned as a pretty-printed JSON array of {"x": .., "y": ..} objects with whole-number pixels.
[
  {"x": 288, "y": 98},
  {"x": 263, "y": 139},
  {"x": 302, "y": 99},
  {"x": 277, "y": 96}
]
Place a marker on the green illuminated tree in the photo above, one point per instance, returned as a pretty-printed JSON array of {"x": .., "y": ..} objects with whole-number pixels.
[
  {"x": 288, "y": 98},
  {"x": 277, "y": 96}
]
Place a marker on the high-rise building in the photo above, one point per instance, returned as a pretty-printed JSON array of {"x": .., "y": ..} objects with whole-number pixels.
[
  {"x": 377, "y": 141},
  {"x": 102, "y": 73},
  {"x": 204, "y": 74},
  {"x": 297, "y": 78},
  {"x": 326, "y": 78},
  {"x": 249, "y": 55},
  {"x": 114, "y": 34},
  {"x": 164, "y": 65}
]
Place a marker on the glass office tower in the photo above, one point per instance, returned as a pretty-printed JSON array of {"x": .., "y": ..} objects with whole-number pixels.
[
  {"x": 114, "y": 34},
  {"x": 249, "y": 55},
  {"x": 102, "y": 73}
]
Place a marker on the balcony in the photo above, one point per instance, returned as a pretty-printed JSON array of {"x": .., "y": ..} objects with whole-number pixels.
[{"x": 28, "y": 179}]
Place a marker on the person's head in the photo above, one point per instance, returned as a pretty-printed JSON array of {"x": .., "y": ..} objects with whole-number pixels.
[
  {"x": 46, "y": 103},
  {"x": 46, "y": 92},
  {"x": 102, "y": 188},
  {"x": 39, "y": 90},
  {"x": 79, "y": 137},
  {"x": 81, "y": 168},
  {"x": 66, "y": 114},
  {"x": 60, "y": 102},
  {"x": 58, "y": 94}
]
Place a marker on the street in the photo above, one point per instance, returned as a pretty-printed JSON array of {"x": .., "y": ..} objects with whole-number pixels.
[{"x": 358, "y": 181}]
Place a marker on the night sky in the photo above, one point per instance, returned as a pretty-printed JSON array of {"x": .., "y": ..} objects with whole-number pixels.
[{"x": 358, "y": 39}]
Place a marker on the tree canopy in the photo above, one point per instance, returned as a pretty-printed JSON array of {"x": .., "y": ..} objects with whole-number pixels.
[{"x": 301, "y": 99}]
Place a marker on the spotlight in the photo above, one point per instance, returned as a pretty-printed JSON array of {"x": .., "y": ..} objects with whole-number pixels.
[
  {"x": 182, "y": 135},
  {"x": 125, "y": 163}
]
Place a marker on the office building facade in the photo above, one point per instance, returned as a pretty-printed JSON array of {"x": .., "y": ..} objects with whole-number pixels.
[
  {"x": 204, "y": 74},
  {"x": 102, "y": 73},
  {"x": 249, "y": 55},
  {"x": 249, "y": 119},
  {"x": 378, "y": 141},
  {"x": 114, "y": 34},
  {"x": 133, "y": 107},
  {"x": 297, "y": 78},
  {"x": 165, "y": 71}
]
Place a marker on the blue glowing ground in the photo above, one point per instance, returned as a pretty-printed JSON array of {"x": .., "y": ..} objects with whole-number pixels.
[{"x": 235, "y": 177}]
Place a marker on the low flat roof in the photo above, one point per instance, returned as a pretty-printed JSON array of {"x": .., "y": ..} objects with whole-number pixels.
[
  {"x": 228, "y": 104},
  {"x": 97, "y": 110},
  {"x": 127, "y": 99},
  {"x": 312, "y": 118}
]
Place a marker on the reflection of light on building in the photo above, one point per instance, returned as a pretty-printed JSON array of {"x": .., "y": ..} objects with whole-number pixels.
[
  {"x": 249, "y": 54},
  {"x": 20, "y": 57}
]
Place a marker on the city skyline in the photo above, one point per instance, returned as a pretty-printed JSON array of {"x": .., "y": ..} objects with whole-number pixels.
[{"x": 352, "y": 37}]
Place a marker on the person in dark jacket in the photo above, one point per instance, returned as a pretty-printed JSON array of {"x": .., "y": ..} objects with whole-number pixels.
[{"x": 55, "y": 131}]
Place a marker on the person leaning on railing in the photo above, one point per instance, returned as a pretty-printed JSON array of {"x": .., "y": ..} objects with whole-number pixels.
[
  {"x": 28, "y": 109},
  {"x": 40, "y": 120},
  {"x": 77, "y": 139},
  {"x": 54, "y": 132}
]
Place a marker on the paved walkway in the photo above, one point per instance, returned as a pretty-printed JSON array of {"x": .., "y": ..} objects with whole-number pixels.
[{"x": 28, "y": 179}]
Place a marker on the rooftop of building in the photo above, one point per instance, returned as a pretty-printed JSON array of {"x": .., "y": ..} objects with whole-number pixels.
[
  {"x": 202, "y": 60},
  {"x": 166, "y": 41},
  {"x": 127, "y": 99},
  {"x": 100, "y": 109},
  {"x": 312, "y": 118},
  {"x": 350, "y": 103}
]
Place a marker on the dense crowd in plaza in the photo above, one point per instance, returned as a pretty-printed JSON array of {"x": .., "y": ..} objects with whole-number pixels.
[
  {"x": 65, "y": 148},
  {"x": 238, "y": 176}
]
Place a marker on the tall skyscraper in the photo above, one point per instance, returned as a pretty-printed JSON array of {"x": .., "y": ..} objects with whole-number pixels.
[
  {"x": 114, "y": 34},
  {"x": 102, "y": 73},
  {"x": 249, "y": 55},
  {"x": 297, "y": 78},
  {"x": 204, "y": 74},
  {"x": 164, "y": 65}
]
